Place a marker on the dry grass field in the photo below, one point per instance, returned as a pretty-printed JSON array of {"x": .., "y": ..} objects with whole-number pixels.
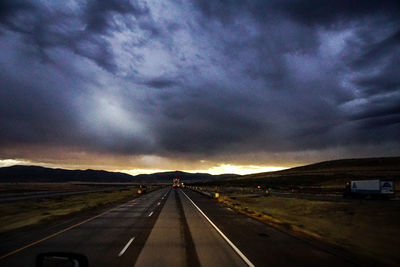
[
  {"x": 9, "y": 188},
  {"x": 368, "y": 229},
  {"x": 18, "y": 214}
]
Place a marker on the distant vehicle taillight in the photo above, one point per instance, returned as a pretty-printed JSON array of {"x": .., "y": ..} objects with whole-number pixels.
[{"x": 176, "y": 182}]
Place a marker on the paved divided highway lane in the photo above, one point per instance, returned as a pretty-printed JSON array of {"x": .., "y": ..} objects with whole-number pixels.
[
  {"x": 183, "y": 237},
  {"x": 102, "y": 238},
  {"x": 176, "y": 228},
  {"x": 261, "y": 244}
]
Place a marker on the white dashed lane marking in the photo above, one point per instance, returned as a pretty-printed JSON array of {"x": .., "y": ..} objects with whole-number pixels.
[{"x": 126, "y": 247}]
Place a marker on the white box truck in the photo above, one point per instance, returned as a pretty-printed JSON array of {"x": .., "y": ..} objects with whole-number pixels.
[{"x": 373, "y": 188}]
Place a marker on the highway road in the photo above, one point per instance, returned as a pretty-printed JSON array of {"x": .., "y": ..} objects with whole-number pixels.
[{"x": 168, "y": 227}]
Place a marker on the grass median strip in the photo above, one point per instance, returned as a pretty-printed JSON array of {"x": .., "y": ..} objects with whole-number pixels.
[
  {"x": 369, "y": 229},
  {"x": 15, "y": 215}
]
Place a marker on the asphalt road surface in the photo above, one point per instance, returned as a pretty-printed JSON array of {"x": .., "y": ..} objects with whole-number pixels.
[{"x": 169, "y": 227}]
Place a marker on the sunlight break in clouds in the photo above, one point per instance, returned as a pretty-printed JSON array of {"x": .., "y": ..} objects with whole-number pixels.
[
  {"x": 239, "y": 169},
  {"x": 220, "y": 169}
]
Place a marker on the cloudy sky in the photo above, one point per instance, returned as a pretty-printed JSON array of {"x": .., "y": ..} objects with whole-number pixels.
[{"x": 198, "y": 85}]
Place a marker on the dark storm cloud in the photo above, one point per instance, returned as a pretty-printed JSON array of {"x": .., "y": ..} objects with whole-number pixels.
[
  {"x": 379, "y": 51},
  {"x": 9, "y": 8},
  {"x": 387, "y": 81},
  {"x": 82, "y": 31},
  {"x": 378, "y": 83},
  {"x": 202, "y": 79},
  {"x": 38, "y": 89},
  {"x": 299, "y": 107},
  {"x": 161, "y": 82},
  {"x": 380, "y": 108},
  {"x": 96, "y": 14},
  {"x": 205, "y": 122},
  {"x": 313, "y": 13},
  {"x": 33, "y": 109},
  {"x": 333, "y": 12}
]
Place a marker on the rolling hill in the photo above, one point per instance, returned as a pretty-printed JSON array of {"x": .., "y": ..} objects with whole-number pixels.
[
  {"x": 334, "y": 172},
  {"x": 19, "y": 173}
]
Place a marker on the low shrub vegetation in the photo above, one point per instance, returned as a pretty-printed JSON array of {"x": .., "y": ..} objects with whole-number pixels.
[
  {"x": 369, "y": 229},
  {"x": 15, "y": 215}
]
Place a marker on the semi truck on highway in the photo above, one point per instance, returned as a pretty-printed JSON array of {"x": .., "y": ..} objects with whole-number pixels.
[
  {"x": 176, "y": 182},
  {"x": 142, "y": 189},
  {"x": 373, "y": 188}
]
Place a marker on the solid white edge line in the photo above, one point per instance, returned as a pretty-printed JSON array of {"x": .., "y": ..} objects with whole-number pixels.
[
  {"x": 151, "y": 213},
  {"x": 59, "y": 232},
  {"x": 126, "y": 247},
  {"x": 244, "y": 258}
]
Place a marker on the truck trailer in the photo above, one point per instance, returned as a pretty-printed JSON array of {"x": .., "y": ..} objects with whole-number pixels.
[
  {"x": 373, "y": 188},
  {"x": 176, "y": 183}
]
